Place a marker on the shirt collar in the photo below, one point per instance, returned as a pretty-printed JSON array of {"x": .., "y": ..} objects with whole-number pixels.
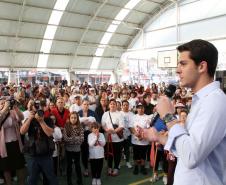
[{"x": 206, "y": 90}]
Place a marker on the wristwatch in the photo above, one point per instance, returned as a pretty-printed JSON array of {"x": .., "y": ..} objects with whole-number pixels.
[{"x": 169, "y": 117}]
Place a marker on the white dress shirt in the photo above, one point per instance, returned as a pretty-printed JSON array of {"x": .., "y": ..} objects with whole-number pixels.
[
  {"x": 132, "y": 103},
  {"x": 201, "y": 145},
  {"x": 75, "y": 108}
]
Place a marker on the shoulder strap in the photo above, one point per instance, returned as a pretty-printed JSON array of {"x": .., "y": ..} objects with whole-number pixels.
[{"x": 110, "y": 118}]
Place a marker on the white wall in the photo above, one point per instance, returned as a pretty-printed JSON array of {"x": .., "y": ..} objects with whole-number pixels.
[{"x": 204, "y": 19}]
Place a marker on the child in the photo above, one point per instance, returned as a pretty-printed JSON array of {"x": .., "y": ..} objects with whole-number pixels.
[
  {"x": 96, "y": 141},
  {"x": 57, "y": 136},
  {"x": 73, "y": 136}
]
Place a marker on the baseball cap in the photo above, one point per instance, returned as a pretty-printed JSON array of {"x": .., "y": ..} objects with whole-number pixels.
[{"x": 139, "y": 105}]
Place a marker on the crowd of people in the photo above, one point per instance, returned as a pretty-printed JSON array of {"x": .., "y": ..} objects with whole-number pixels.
[{"x": 46, "y": 129}]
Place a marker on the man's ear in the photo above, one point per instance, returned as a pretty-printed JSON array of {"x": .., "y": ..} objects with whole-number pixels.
[{"x": 203, "y": 67}]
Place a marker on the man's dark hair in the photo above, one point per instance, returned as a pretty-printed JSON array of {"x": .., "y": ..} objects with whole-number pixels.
[
  {"x": 184, "y": 110},
  {"x": 112, "y": 99},
  {"x": 125, "y": 101},
  {"x": 146, "y": 95},
  {"x": 201, "y": 50}
]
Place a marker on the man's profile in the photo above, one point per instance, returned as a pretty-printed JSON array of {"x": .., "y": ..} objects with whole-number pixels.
[{"x": 200, "y": 145}]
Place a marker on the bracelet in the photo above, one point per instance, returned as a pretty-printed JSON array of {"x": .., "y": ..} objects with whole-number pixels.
[
  {"x": 171, "y": 123},
  {"x": 169, "y": 117}
]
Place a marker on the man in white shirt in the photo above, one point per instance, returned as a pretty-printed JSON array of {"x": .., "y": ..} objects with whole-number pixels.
[
  {"x": 200, "y": 146},
  {"x": 154, "y": 98},
  {"x": 92, "y": 99},
  {"x": 76, "y": 106}
]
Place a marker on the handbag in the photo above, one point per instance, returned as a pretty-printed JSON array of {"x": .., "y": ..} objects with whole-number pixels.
[{"x": 119, "y": 133}]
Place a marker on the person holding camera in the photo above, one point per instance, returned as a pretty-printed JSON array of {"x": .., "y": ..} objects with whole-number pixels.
[
  {"x": 11, "y": 156},
  {"x": 39, "y": 144},
  {"x": 113, "y": 125}
]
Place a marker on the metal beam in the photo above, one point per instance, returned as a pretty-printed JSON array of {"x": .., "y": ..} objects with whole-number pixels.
[
  {"x": 63, "y": 26},
  {"x": 156, "y": 2},
  {"x": 98, "y": 18},
  {"x": 53, "y": 68},
  {"x": 84, "y": 44},
  {"x": 57, "y": 54},
  {"x": 20, "y": 18},
  {"x": 86, "y": 30},
  {"x": 117, "y": 6}
]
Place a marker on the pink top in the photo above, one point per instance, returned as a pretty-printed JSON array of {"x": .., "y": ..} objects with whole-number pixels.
[{"x": 10, "y": 132}]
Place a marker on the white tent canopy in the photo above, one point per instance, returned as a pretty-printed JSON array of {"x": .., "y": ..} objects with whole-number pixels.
[{"x": 79, "y": 30}]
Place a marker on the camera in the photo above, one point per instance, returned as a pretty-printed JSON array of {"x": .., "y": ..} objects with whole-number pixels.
[
  {"x": 37, "y": 104},
  {"x": 12, "y": 102},
  {"x": 115, "y": 126},
  {"x": 38, "y": 108},
  {"x": 64, "y": 83}
]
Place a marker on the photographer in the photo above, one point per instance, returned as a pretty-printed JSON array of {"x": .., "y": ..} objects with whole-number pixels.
[
  {"x": 11, "y": 157},
  {"x": 39, "y": 144}
]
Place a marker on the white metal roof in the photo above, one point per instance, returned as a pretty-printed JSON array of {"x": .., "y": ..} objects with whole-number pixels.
[{"x": 82, "y": 26}]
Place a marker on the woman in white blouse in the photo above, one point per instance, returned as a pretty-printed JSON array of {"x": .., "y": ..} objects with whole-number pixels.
[{"x": 112, "y": 123}]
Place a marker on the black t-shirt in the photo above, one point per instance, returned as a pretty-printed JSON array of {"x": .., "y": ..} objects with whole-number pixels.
[
  {"x": 36, "y": 133},
  {"x": 35, "y": 127},
  {"x": 148, "y": 108}
]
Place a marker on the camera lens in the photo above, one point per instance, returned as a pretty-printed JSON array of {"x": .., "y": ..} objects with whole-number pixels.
[{"x": 40, "y": 113}]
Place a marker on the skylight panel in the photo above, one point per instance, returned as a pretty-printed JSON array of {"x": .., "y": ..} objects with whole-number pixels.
[
  {"x": 95, "y": 63},
  {"x": 42, "y": 60},
  {"x": 61, "y": 5},
  {"x": 50, "y": 32},
  {"x": 99, "y": 51},
  {"x": 112, "y": 28},
  {"x": 106, "y": 38},
  {"x": 46, "y": 46},
  {"x": 101, "y": 46},
  {"x": 116, "y": 22},
  {"x": 122, "y": 14},
  {"x": 132, "y": 3},
  {"x": 55, "y": 17}
]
